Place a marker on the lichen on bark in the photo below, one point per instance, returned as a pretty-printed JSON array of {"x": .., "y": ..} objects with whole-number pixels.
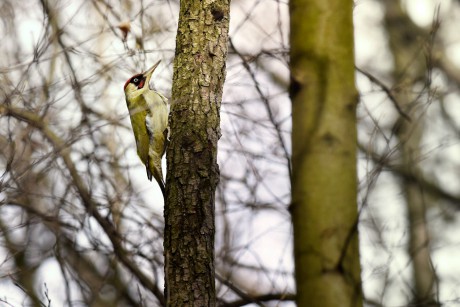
[{"x": 193, "y": 173}]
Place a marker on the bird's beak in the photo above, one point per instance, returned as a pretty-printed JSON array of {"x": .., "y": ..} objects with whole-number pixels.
[{"x": 148, "y": 73}]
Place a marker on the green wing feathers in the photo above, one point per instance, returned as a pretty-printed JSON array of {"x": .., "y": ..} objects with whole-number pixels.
[
  {"x": 141, "y": 134},
  {"x": 149, "y": 118}
]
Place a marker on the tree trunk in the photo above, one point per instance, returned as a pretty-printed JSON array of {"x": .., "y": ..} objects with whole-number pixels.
[
  {"x": 324, "y": 182},
  {"x": 409, "y": 68},
  {"x": 193, "y": 173}
]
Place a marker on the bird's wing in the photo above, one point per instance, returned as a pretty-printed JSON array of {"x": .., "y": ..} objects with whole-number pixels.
[{"x": 141, "y": 134}]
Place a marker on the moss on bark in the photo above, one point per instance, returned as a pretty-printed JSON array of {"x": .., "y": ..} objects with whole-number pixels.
[{"x": 193, "y": 173}]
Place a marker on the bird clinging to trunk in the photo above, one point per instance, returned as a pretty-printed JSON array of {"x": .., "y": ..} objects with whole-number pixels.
[{"x": 149, "y": 112}]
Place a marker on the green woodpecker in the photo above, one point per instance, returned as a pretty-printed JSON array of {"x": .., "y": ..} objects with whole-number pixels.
[{"x": 149, "y": 112}]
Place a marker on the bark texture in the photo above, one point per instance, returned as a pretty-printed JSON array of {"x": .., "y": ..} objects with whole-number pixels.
[
  {"x": 324, "y": 182},
  {"x": 193, "y": 173}
]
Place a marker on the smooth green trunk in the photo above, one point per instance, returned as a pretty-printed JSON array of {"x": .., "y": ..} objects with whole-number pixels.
[{"x": 324, "y": 182}]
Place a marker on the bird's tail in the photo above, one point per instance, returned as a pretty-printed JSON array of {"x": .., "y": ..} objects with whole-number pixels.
[{"x": 154, "y": 169}]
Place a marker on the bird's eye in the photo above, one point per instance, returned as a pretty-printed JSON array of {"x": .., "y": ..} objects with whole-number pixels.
[{"x": 135, "y": 80}]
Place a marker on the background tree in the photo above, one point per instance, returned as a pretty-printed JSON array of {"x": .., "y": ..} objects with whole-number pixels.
[
  {"x": 324, "y": 180},
  {"x": 80, "y": 224},
  {"x": 409, "y": 131}
]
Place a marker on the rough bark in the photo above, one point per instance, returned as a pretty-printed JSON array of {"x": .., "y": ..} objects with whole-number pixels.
[
  {"x": 324, "y": 182},
  {"x": 199, "y": 73}
]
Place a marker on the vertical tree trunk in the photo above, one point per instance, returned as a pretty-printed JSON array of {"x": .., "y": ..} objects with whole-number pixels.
[
  {"x": 324, "y": 182},
  {"x": 409, "y": 69},
  {"x": 193, "y": 173}
]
